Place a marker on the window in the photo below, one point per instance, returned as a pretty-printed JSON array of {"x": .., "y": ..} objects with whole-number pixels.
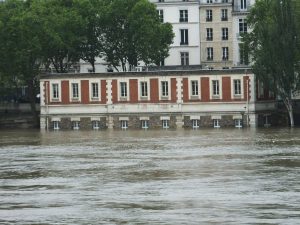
[
  {"x": 209, "y": 34},
  {"x": 209, "y": 15},
  {"x": 161, "y": 15},
  {"x": 164, "y": 89},
  {"x": 145, "y": 124},
  {"x": 123, "y": 87},
  {"x": 243, "y": 4},
  {"x": 210, "y": 54},
  {"x": 144, "y": 89},
  {"x": 75, "y": 91},
  {"x": 225, "y": 33},
  {"x": 216, "y": 123},
  {"x": 216, "y": 89},
  {"x": 183, "y": 16},
  {"x": 161, "y": 0},
  {"x": 55, "y": 92},
  {"x": 224, "y": 13},
  {"x": 195, "y": 124},
  {"x": 238, "y": 123},
  {"x": 224, "y": 1},
  {"x": 242, "y": 26},
  {"x": 184, "y": 57},
  {"x": 225, "y": 55},
  {"x": 184, "y": 37},
  {"x": 95, "y": 124},
  {"x": 75, "y": 125},
  {"x": 56, "y": 125},
  {"x": 195, "y": 88},
  {"x": 95, "y": 90},
  {"x": 124, "y": 124},
  {"x": 208, "y": 1},
  {"x": 237, "y": 87},
  {"x": 165, "y": 124}
]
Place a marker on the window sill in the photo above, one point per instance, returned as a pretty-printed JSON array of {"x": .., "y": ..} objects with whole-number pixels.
[{"x": 215, "y": 97}]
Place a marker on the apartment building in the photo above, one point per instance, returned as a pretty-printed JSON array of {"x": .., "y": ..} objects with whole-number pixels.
[
  {"x": 216, "y": 34},
  {"x": 184, "y": 17},
  {"x": 240, "y": 11}
]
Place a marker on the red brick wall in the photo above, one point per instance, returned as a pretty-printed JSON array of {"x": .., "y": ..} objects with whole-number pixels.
[
  {"x": 114, "y": 89},
  {"x": 205, "y": 89},
  {"x": 226, "y": 88},
  {"x": 154, "y": 90},
  {"x": 103, "y": 92},
  {"x": 133, "y": 87},
  {"x": 173, "y": 90},
  {"x": 47, "y": 92},
  {"x": 85, "y": 92},
  {"x": 65, "y": 94},
  {"x": 246, "y": 91},
  {"x": 185, "y": 90}
]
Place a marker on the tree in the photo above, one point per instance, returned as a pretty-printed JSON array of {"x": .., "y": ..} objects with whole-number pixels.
[
  {"x": 274, "y": 48},
  {"x": 133, "y": 33},
  {"x": 20, "y": 48},
  {"x": 63, "y": 32},
  {"x": 91, "y": 13}
]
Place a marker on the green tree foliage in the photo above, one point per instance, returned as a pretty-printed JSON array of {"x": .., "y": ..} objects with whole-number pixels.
[
  {"x": 133, "y": 33},
  {"x": 274, "y": 48},
  {"x": 39, "y": 34},
  {"x": 20, "y": 45}
]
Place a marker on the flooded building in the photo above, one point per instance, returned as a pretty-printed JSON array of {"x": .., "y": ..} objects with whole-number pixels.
[{"x": 161, "y": 99}]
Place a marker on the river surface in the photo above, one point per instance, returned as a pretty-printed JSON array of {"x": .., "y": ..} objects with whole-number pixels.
[{"x": 211, "y": 176}]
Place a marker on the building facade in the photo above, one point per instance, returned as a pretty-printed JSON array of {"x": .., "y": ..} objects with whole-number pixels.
[
  {"x": 216, "y": 34},
  {"x": 207, "y": 34},
  {"x": 149, "y": 100},
  {"x": 240, "y": 11},
  {"x": 184, "y": 17}
]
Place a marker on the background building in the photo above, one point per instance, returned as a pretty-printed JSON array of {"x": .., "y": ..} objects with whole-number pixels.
[{"x": 216, "y": 34}]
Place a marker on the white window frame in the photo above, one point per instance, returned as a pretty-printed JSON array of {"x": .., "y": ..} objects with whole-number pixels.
[
  {"x": 58, "y": 98},
  {"x": 145, "y": 124},
  {"x": 95, "y": 124},
  {"x": 71, "y": 82},
  {"x": 123, "y": 98},
  {"x": 216, "y": 123},
  {"x": 124, "y": 124},
  {"x": 233, "y": 95},
  {"x": 144, "y": 89},
  {"x": 224, "y": 14},
  {"x": 184, "y": 58},
  {"x": 194, "y": 95},
  {"x": 93, "y": 98},
  {"x": 56, "y": 125},
  {"x": 237, "y": 87},
  {"x": 165, "y": 124},
  {"x": 225, "y": 53},
  {"x": 195, "y": 123},
  {"x": 75, "y": 125},
  {"x": 238, "y": 123},
  {"x": 209, "y": 34},
  {"x": 161, "y": 15},
  {"x": 183, "y": 15},
  {"x": 215, "y": 84},
  {"x": 165, "y": 97},
  {"x": 209, "y": 15},
  {"x": 184, "y": 36},
  {"x": 243, "y": 4},
  {"x": 224, "y": 33},
  {"x": 210, "y": 53},
  {"x": 242, "y": 24},
  {"x": 75, "y": 91}
]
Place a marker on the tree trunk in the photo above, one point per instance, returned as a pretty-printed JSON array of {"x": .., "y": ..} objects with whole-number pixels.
[
  {"x": 32, "y": 96},
  {"x": 289, "y": 106}
]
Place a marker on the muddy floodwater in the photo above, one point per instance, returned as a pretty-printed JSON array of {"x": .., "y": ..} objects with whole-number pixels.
[{"x": 211, "y": 176}]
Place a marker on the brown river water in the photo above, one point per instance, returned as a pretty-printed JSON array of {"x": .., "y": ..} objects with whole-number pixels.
[{"x": 211, "y": 176}]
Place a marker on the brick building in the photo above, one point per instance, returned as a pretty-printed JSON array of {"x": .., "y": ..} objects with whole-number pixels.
[{"x": 161, "y": 99}]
